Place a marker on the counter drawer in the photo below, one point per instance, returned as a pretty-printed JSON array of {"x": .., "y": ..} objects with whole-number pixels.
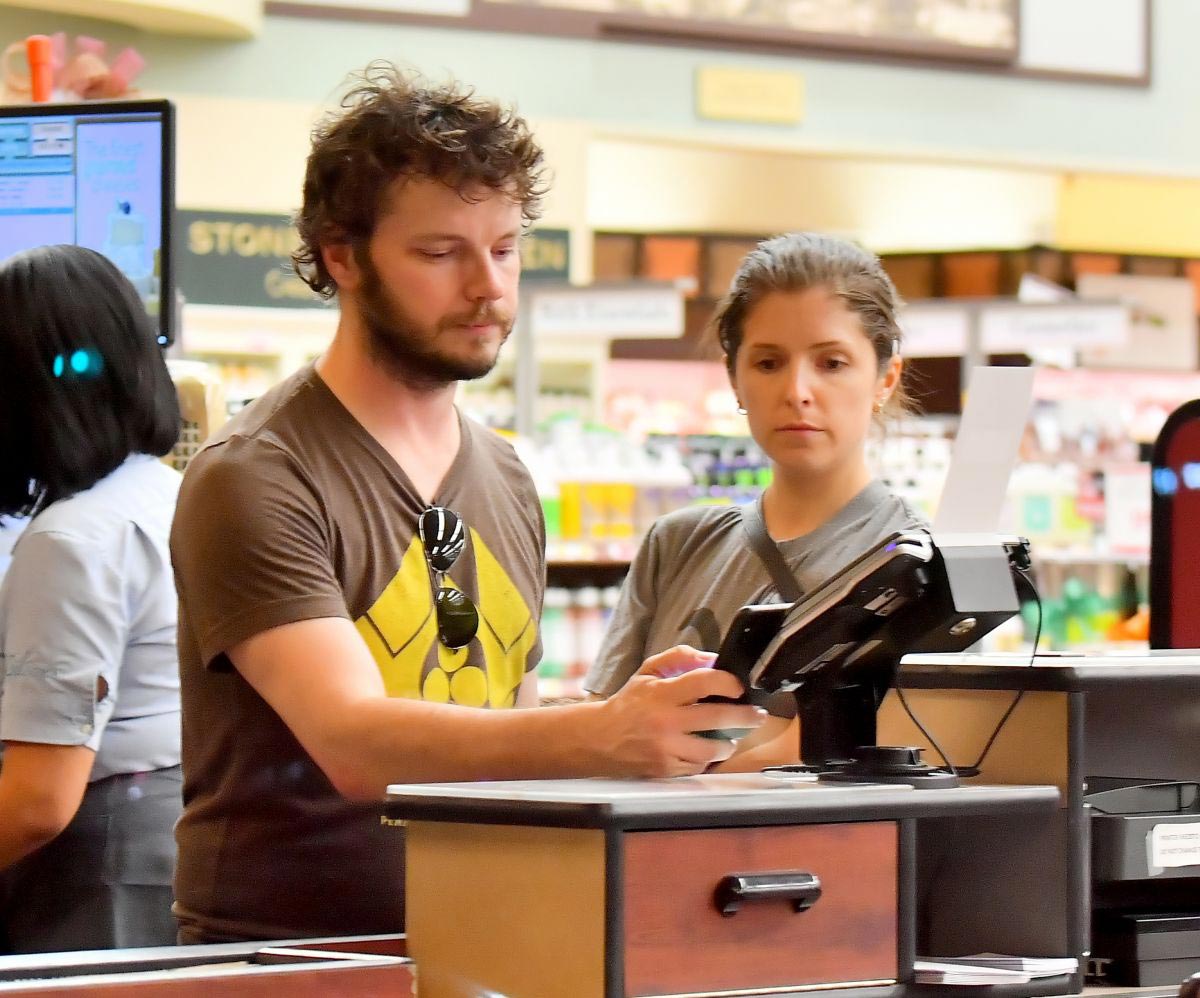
[{"x": 676, "y": 939}]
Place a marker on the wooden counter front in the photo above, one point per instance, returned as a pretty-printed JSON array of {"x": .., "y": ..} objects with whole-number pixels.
[{"x": 610, "y": 889}]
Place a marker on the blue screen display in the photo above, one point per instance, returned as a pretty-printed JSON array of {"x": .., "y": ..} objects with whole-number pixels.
[{"x": 97, "y": 176}]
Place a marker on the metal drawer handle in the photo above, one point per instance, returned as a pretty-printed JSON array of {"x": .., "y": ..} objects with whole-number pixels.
[{"x": 801, "y": 888}]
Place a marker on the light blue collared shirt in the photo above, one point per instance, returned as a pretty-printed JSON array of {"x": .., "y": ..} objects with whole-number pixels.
[{"x": 87, "y": 624}]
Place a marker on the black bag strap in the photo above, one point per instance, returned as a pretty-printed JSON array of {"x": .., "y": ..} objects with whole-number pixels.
[{"x": 769, "y": 554}]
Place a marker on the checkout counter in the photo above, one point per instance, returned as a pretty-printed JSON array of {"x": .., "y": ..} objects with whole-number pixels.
[
  {"x": 1061, "y": 845},
  {"x": 711, "y": 885}
]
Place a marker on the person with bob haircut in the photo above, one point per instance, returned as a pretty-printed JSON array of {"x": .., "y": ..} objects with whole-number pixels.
[
  {"x": 361, "y": 567},
  {"x": 811, "y": 344},
  {"x": 89, "y": 688}
]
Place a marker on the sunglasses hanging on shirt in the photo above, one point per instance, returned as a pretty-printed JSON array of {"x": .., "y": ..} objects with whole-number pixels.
[{"x": 443, "y": 537}]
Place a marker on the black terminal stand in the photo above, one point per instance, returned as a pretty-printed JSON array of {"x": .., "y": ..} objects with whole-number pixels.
[
  {"x": 837, "y": 732},
  {"x": 841, "y": 650}
]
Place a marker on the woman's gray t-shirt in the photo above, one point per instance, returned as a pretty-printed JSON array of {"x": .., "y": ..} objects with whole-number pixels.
[{"x": 696, "y": 569}]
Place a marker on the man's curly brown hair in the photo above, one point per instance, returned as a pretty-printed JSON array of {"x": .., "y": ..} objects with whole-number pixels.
[{"x": 391, "y": 125}]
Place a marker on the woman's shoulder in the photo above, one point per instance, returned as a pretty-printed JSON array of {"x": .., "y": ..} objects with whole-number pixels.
[
  {"x": 708, "y": 533},
  {"x": 904, "y": 514},
  {"x": 142, "y": 490},
  {"x": 690, "y": 521},
  {"x": 883, "y": 509}
]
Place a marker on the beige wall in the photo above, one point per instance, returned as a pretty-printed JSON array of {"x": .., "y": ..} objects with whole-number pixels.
[
  {"x": 889, "y": 204},
  {"x": 248, "y": 155}
]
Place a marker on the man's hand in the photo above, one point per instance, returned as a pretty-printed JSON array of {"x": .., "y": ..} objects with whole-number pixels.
[
  {"x": 645, "y": 728},
  {"x": 676, "y": 661}
]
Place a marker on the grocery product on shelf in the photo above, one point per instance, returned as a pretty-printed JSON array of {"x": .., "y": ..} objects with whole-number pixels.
[{"x": 573, "y": 625}]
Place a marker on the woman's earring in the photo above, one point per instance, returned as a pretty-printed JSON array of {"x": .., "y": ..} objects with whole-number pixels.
[
  {"x": 877, "y": 408},
  {"x": 741, "y": 409}
]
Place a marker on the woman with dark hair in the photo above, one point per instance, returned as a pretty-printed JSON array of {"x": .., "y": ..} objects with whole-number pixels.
[
  {"x": 89, "y": 683},
  {"x": 812, "y": 346}
]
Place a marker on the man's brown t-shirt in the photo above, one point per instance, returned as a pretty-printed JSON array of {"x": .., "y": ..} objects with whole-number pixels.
[{"x": 295, "y": 512}]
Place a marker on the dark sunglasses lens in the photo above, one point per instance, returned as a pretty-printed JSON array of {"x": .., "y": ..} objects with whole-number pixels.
[
  {"x": 457, "y": 618},
  {"x": 444, "y": 536}
]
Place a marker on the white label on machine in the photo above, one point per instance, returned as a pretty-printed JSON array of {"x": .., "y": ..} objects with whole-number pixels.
[{"x": 1175, "y": 845}]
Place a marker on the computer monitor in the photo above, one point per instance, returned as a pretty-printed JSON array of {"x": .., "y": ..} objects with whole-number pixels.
[{"x": 99, "y": 175}]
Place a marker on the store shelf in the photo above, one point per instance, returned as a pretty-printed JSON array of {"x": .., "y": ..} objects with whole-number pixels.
[
  {"x": 199, "y": 18},
  {"x": 575, "y": 574}
]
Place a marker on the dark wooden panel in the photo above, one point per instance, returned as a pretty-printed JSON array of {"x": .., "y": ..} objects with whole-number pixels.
[
  {"x": 935, "y": 384},
  {"x": 914, "y": 274},
  {"x": 724, "y": 258},
  {"x": 1048, "y": 263},
  {"x": 677, "y": 941},
  {"x": 1154, "y": 266},
  {"x": 694, "y": 344},
  {"x": 614, "y": 257},
  {"x": 971, "y": 275},
  {"x": 393, "y": 945}
]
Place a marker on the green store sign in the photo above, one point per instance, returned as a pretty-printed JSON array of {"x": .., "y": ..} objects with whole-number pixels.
[
  {"x": 244, "y": 258},
  {"x": 546, "y": 255}
]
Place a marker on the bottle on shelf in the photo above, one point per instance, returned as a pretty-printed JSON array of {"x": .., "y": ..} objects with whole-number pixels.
[
  {"x": 588, "y": 619},
  {"x": 558, "y": 645}
]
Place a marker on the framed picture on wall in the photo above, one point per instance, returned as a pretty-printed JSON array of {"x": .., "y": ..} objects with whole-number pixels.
[
  {"x": 977, "y": 30},
  {"x": 1036, "y": 38},
  {"x": 439, "y": 9}
]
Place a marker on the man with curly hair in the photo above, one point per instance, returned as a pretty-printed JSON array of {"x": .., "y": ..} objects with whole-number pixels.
[{"x": 361, "y": 568}]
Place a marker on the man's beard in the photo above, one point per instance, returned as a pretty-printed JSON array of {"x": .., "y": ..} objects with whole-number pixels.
[{"x": 410, "y": 352}]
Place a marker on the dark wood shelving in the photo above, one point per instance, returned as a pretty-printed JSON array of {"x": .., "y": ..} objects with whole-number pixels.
[{"x": 576, "y": 574}]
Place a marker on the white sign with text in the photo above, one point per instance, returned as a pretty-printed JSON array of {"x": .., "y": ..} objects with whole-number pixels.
[{"x": 1175, "y": 845}]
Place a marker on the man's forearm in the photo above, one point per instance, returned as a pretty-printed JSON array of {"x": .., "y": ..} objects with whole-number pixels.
[{"x": 410, "y": 741}]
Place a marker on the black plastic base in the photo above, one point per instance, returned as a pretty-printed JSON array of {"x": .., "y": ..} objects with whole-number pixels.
[
  {"x": 932, "y": 779},
  {"x": 887, "y": 764}
]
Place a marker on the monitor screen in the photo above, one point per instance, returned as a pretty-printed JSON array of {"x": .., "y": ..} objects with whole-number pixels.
[{"x": 98, "y": 175}]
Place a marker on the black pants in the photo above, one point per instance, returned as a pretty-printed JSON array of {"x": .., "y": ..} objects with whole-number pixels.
[{"x": 106, "y": 880}]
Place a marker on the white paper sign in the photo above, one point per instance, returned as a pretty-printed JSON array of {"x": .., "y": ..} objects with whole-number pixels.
[
  {"x": 985, "y": 450},
  {"x": 1162, "y": 322},
  {"x": 937, "y": 331},
  {"x": 616, "y": 312},
  {"x": 1175, "y": 845},
  {"x": 1127, "y": 508},
  {"x": 1025, "y": 328}
]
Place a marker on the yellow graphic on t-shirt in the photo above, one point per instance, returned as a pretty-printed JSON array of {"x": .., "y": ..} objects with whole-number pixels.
[{"x": 401, "y": 629}]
